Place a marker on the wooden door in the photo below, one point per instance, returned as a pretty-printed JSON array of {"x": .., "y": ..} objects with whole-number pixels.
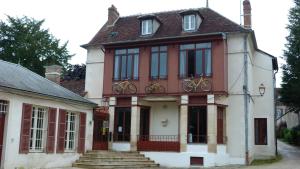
[
  {"x": 122, "y": 124},
  {"x": 101, "y": 131},
  {"x": 144, "y": 123},
  {"x": 2, "y": 121}
]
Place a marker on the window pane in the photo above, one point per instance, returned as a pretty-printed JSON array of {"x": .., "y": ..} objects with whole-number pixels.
[
  {"x": 187, "y": 46},
  {"x": 154, "y": 49},
  {"x": 134, "y": 50},
  {"x": 203, "y": 45},
  {"x": 208, "y": 62},
  {"x": 193, "y": 22},
  {"x": 136, "y": 67},
  {"x": 199, "y": 63},
  {"x": 182, "y": 64},
  {"x": 163, "y": 65},
  {"x": 120, "y": 51},
  {"x": 163, "y": 48},
  {"x": 144, "y": 27},
  {"x": 149, "y": 27},
  {"x": 117, "y": 67},
  {"x": 154, "y": 65},
  {"x": 186, "y": 22},
  {"x": 123, "y": 71},
  {"x": 191, "y": 63},
  {"x": 129, "y": 66}
]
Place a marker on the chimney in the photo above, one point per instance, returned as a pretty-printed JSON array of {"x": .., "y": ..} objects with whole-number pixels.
[
  {"x": 53, "y": 73},
  {"x": 247, "y": 14},
  {"x": 113, "y": 15}
]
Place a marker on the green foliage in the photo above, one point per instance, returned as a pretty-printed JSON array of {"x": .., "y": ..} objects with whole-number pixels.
[
  {"x": 290, "y": 93},
  {"x": 291, "y": 136},
  {"x": 24, "y": 41},
  {"x": 75, "y": 72}
]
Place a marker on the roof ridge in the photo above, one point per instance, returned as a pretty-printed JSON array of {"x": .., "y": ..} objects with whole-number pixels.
[
  {"x": 37, "y": 75},
  {"x": 160, "y": 12}
]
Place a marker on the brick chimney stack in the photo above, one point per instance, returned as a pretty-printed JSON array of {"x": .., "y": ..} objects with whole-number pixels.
[
  {"x": 113, "y": 15},
  {"x": 247, "y": 14},
  {"x": 53, "y": 73}
]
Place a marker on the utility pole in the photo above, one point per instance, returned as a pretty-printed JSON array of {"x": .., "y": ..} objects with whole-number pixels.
[{"x": 207, "y": 5}]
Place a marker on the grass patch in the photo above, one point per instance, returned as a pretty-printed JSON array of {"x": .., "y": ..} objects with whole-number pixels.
[{"x": 267, "y": 161}]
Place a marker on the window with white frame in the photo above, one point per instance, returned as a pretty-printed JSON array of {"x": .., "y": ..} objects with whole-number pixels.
[
  {"x": 147, "y": 27},
  {"x": 3, "y": 107},
  {"x": 38, "y": 128},
  {"x": 189, "y": 22},
  {"x": 70, "y": 134}
]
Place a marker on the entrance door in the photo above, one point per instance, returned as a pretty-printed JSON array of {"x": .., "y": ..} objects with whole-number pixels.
[
  {"x": 100, "y": 136},
  {"x": 144, "y": 124},
  {"x": 122, "y": 124},
  {"x": 2, "y": 121}
]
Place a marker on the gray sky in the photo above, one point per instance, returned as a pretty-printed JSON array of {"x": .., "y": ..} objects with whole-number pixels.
[{"x": 77, "y": 21}]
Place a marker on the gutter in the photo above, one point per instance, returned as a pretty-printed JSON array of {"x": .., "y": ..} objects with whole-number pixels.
[{"x": 24, "y": 92}]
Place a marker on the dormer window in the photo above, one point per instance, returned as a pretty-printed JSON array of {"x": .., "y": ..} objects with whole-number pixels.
[
  {"x": 189, "y": 22},
  {"x": 147, "y": 27}
]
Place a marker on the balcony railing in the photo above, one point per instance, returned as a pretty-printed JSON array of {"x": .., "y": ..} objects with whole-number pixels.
[{"x": 158, "y": 143}]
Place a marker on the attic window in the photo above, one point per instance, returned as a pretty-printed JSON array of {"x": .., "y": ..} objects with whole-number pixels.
[
  {"x": 189, "y": 22},
  {"x": 147, "y": 27}
]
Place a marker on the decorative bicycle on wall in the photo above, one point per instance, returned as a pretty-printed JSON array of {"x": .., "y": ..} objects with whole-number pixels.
[
  {"x": 155, "y": 88},
  {"x": 124, "y": 87},
  {"x": 191, "y": 85}
]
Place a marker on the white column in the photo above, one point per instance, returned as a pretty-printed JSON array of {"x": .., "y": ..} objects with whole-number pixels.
[
  {"x": 111, "y": 111},
  {"x": 211, "y": 124},
  {"x": 183, "y": 122},
  {"x": 135, "y": 124}
]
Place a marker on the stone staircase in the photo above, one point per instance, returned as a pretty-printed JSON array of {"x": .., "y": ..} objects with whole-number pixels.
[{"x": 114, "y": 160}]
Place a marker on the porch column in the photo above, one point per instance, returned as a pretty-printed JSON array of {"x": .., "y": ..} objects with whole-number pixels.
[
  {"x": 183, "y": 122},
  {"x": 135, "y": 123},
  {"x": 111, "y": 111},
  {"x": 211, "y": 124}
]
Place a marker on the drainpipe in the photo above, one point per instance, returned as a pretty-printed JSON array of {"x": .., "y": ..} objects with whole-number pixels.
[
  {"x": 275, "y": 113},
  {"x": 245, "y": 89}
]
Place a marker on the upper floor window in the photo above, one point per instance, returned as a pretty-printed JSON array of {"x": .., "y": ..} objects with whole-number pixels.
[
  {"x": 159, "y": 62},
  {"x": 189, "y": 22},
  {"x": 147, "y": 27},
  {"x": 126, "y": 64},
  {"x": 195, "y": 60},
  {"x": 38, "y": 128}
]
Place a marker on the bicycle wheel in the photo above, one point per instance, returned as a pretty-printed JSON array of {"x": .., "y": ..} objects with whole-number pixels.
[
  {"x": 117, "y": 88},
  {"x": 187, "y": 85},
  {"x": 205, "y": 85},
  {"x": 131, "y": 88},
  {"x": 148, "y": 89}
]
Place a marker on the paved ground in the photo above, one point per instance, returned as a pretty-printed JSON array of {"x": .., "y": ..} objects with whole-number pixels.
[{"x": 290, "y": 160}]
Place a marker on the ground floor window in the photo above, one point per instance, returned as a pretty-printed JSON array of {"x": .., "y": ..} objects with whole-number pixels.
[
  {"x": 70, "y": 131},
  {"x": 260, "y": 125},
  {"x": 197, "y": 124},
  {"x": 38, "y": 128},
  {"x": 122, "y": 124}
]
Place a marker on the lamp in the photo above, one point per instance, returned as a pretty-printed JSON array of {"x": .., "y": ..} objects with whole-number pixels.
[{"x": 262, "y": 89}]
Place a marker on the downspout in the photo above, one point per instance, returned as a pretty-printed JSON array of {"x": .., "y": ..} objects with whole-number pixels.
[
  {"x": 245, "y": 89},
  {"x": 275, "y": 113}
]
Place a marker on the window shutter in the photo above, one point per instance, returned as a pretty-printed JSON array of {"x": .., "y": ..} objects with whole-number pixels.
[
  {"x": 61, "y": 131},
  {"x": 220, "y": 125},
  {"x": 25, "y": 128},
  {"x": 51, "y": 130},
  {"x": 81, "y": 136}
]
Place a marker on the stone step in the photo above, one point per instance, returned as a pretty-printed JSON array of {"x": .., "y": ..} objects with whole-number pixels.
[
  {"x": 112, "y": 154},
  {"x": 114, "y": 160},
  {"x": 114, "y": 166}
]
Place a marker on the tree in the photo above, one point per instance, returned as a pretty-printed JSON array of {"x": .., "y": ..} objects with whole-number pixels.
[
  {"x": 290, "y": 93},
  {"x": 24, "y": 41},
  {"x": 75, "y": 72}
]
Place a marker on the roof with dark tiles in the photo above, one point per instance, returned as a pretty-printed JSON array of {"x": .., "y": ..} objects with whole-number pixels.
[{"x": 127, "y": 29}]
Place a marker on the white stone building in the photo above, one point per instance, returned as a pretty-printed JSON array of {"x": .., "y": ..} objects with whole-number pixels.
[
  {"x": 184, "y": 88},
  {"x": 42, "y": 125}
]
